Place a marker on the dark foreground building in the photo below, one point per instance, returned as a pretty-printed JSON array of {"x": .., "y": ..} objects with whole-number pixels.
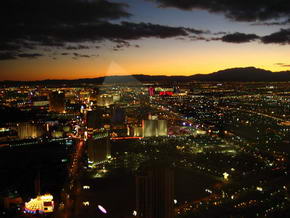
[
  {"x": 154, "y": 193},
  {"x": 57, "y": 102}
]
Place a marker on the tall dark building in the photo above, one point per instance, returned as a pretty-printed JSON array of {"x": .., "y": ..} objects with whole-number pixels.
[
  {"x": 98, "y": 150},
  {"x": 118, "y": 116},
  {"x": 95, "y": 119},
  {"x": 176, "y": 89},
  {"x": 57, "y": 102},
  {"x": 154, "y": 193}
]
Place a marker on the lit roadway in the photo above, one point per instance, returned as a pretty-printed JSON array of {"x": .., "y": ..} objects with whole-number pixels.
[
  {"x": 73, "y": 173},
  {"x": 256, "y": 154},
  {"x": 252, "y": 112},
  {"x": 72, "y": 188},
  {"x": 170, "y": 112}
]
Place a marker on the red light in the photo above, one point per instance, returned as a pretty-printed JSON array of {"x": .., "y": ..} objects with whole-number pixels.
[
  {"x": 121, "y": 138},
  {"x": 166, "y": 93}
]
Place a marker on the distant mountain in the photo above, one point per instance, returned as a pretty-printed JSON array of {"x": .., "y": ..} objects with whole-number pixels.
[{"x": 246, "y": 74}]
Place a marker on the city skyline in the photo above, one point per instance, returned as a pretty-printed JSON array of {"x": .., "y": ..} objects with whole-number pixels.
[
  {"x": 181, "y": 149},
  {"x": 144, "y": 108},
  {"x": 89, "y": 39}
]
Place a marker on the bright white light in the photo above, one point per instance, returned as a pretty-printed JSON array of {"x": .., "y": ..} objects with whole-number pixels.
[
  {"x": 175, "y": 201},
  {"x": 226, "y": 175},
  {"x": 259, "y": 189},
  {"x": 46, "y": 197},
  {"x": 134, "y": 213},
  {"x": 86, "y": 203},
  {"x": 102, "y": 209},
  {"x": 209, "y": 191}
]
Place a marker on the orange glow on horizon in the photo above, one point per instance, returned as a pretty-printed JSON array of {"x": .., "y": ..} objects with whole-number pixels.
[{"x": 177, "y": 59}]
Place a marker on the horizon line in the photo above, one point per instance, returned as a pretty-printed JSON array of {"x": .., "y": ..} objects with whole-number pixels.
[{"x": 126, "y": 75}]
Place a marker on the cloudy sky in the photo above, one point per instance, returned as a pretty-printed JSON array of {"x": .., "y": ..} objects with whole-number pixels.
[{"x": 68, "y": 39}]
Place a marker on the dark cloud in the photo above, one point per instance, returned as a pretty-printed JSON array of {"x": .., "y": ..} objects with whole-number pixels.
[
  {"x": 239, "y": 10},
  {"x": 51, "y": 12},
  {"x": 239, "y": 37},
  {"x": 27, "y": 55},
  {"x": 283, "y": 65},
  {"x": 9, "y": 47},
  {"x": 34, "y": 24},
  {"x": 220, "y": 33},
  {"x": 81, "y": 55},
  {"x": 201, "y": 38},
  {"x": 47, "y": 41},
  {"x": 280, "y": 37},
  {"x": 79, "y": 47},
  {"x": 77, "y": 55},
  {"x": 196, "y": 31},
  {"x": 40, "y": 25},
  {"x": 273, "y": 23},
  {"x": 134, "y": 31},
  {"x": 7, "y": 56},
  {"x": 58, "y": 36},
  {"x": 120, "y": 44},
  {"x": 12, "y": 55}
]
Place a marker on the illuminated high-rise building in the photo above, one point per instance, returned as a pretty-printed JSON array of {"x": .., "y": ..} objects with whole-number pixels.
[
  {"x": 28, "y": 130},
  {"x": 116, "y": 98},
  {"x": 154, "y": 128},
  {"x": 105, "y": 100},
  {"x": 162, "y": 128},
  {"x": 155, "y": 193},
  {"x": 57, "y": 102},
  {"x": 151, "y": 91},
  {"x": 39, "y": 101},
  {"x": 149, "y": 128},
  {"x": 137, "y": 131}
]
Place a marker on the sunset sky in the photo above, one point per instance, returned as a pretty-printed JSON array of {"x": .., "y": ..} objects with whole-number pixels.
[{"x": 69, "y": 39}]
